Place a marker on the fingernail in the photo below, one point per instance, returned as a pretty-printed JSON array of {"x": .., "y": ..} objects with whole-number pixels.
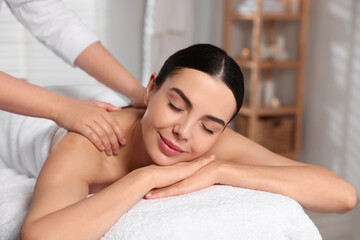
[
  {"x": 116, "y": 151},
  {"x": 148, "y": 194},
  {"x": 123, "y": 141},
  {"x": 102, "y": 147},
  {"x": 109, "y": 152},
  {"x": 212, "y": 156}
]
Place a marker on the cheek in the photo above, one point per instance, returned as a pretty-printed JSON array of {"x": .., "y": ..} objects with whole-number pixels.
[
  {"x": 159, "y": 115},
  {"x": 201, "y": 143}
]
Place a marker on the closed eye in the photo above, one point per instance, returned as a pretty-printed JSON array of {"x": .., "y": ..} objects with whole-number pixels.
[
  {"x": 175, "y": 108},
  {"x": 206, "y": 129}
]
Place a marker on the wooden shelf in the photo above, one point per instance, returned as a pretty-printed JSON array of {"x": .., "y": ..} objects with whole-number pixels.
[
  {"x": 267, "y": 112},
  {"x": 254, "y": 115},
  {"x": 265, "y": 16},
  {"x": 268, "y": 64}
]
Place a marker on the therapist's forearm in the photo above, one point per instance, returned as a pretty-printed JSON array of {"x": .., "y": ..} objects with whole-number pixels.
[
  {"x": 317, "y": 189},
  {"x": 100, "y": 64},
  {"x": 21, "y": 97}
]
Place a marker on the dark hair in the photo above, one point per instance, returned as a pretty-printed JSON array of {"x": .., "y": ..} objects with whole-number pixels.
[{"x": 208, "y": 59}]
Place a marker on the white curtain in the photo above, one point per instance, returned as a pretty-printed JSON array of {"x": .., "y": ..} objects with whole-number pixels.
[{"x": 168, "y": 27}]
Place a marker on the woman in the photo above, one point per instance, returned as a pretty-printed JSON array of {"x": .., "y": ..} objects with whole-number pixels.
[{"x": 179, "y": 144}]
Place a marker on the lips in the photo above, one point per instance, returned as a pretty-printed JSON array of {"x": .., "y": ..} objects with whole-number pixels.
[{"x": 167, "y": 147}]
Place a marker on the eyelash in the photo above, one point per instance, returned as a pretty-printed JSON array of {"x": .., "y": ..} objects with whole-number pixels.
[
  {"x": 175, "y": 108},
  {"x": 180, "y": 110},
  {"x": 206, "y": 129}
]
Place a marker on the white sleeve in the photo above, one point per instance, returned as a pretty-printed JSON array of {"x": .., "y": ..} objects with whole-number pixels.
[{"x": 55, "y": 26}]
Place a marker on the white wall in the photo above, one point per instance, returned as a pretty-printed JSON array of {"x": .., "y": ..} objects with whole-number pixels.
[
  {"x": 332, "y": 93},
  {"x": 126, "y": 21},
  {"x": 332, "y": 103}
]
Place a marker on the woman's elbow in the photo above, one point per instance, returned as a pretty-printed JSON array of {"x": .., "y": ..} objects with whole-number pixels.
[{"x": 350, "y": 199}]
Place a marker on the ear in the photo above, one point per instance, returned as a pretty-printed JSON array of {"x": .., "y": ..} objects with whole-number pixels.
[{"x": 150, "y": 88}]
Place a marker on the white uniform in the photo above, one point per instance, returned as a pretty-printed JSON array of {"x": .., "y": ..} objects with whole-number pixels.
[{"x": 55, "y": 26}]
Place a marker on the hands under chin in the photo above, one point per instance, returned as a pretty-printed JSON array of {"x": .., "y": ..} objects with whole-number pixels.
[{"x": 202, "y": 178}]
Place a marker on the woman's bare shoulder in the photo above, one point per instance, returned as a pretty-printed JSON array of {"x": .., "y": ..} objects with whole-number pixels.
[
  {"x": 127, "y": 116},
  {"x": 75, "y": 154},
  {"x": 78, "y": 154}
]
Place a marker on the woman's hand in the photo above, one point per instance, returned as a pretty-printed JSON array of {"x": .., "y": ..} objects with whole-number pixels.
[
  {"x": 164, "y": 176},
  {"x": 91, "y": 119},
  {"x": 202, "y": 178}
]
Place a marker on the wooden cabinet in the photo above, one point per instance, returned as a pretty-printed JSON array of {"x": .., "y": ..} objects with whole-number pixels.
[{"x": 277, "y": 129}]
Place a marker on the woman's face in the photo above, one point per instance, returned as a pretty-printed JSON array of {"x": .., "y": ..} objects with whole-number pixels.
[{"x": 185, "y": 116}]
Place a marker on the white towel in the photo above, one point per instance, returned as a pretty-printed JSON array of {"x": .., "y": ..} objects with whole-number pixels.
[
  {"x": 25, "y": 142},
  {"x": 15, "y": 194},
  {"x": 218, "y": 212}
]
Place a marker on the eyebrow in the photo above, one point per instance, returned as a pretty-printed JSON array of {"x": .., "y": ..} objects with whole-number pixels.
[
  {"x": 187, "y": 101},
  {"x": 182, "y": 95},
  {"x": 215, "y": 119}
]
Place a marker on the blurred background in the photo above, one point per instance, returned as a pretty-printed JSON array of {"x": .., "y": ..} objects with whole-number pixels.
[{"x": 141, "y": 34}]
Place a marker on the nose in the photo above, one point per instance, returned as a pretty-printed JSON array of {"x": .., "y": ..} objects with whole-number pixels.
[{"x": 183, "y": 130}]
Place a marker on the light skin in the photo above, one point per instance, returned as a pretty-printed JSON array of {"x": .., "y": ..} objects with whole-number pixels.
[
  {"x": 60, "y": 207},
  {"x": 89, "y": 118}
]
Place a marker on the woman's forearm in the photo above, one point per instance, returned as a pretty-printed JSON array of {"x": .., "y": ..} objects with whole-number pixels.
[
  {"x": 92, "y": 217},
  {"x": 315, "y": 188}
]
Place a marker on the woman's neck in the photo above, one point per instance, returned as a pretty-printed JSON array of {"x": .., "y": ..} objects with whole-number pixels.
[{"x": 135, "y": 153}]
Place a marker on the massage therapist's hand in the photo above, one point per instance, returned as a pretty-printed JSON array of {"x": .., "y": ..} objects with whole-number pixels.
[
  {"x": 91, "y": 119},
  {"x": 202, "y": 178},
  {"x": 164, "y": 176}
]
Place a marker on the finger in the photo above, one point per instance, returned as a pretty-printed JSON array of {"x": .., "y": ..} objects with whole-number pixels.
[
  {"x": 107, "y": 106},
  {"x": 197, "y": 164},
  {"x": 188, "y": 169},
  {"x": 102, "y": 135},
  {"x": 119, "y": 135},
  {"x": 93, "y": 137},
  {"x": 173, "y": 190},
  {"x": 111, "y": 136},
  {"x": 202, "y": 178}
]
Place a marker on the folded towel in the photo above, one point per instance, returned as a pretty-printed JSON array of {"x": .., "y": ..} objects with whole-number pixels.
[
  {"x": 25, "y": 142},
  {"x": 218, "y": 212}
]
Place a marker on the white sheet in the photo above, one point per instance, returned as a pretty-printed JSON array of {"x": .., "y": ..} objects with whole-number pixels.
[{"x": 218, "y": 212}]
